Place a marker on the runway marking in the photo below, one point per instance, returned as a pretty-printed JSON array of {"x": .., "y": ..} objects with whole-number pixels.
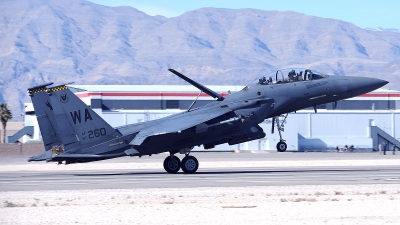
[{"x": 228, "y": 181}]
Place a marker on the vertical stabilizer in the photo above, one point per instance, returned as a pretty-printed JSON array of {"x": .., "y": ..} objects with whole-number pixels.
[
  {"x": 77, "y": 122},
  {"x": 45, "y": 116}
]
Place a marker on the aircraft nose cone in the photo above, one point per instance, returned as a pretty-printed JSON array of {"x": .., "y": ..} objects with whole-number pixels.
[{"x": 366, "y": 84}]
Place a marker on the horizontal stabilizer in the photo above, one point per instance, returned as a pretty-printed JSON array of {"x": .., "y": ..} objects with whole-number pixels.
[
  {"x": 197, "y": 85},
  {"x": 77, "y": 156},
  {"x": 45, "y": 155}
]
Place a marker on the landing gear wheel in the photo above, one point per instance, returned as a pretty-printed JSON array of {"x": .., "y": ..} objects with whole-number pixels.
[
  {"x": 172, "y": 164},
  {"x": 281, "y": 146},
  {"x": 189, "y": 164}
]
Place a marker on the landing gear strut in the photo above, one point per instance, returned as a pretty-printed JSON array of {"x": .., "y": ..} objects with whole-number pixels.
[{"x": 281, "y": 146}]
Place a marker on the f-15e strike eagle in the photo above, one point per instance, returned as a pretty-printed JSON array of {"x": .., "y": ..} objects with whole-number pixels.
[{"x": 73, "y": 133}]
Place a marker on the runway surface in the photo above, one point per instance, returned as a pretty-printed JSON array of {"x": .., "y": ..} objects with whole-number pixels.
[{"x": 216, "y": 170}]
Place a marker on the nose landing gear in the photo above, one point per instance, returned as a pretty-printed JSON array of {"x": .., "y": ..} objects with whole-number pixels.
[{"x": 281, "y": 146}]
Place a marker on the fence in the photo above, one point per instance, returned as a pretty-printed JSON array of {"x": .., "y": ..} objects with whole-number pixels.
[{"x": 19, "y": 149}]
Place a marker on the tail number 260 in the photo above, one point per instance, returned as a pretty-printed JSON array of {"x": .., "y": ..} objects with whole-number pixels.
[{"x": 94, "y": 133}]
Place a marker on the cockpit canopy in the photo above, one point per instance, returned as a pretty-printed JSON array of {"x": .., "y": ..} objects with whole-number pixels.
[{"x": 288, "y": 75}]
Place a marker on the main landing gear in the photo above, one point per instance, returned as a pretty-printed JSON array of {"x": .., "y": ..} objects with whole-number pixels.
[
  {"x": 189, "y": 164},
  {"x": 281, "y": 146},
  {"x": 172, "y": 164}
]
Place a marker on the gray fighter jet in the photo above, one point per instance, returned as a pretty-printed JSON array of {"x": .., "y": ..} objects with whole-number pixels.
[{"x": 73, "y": 133}]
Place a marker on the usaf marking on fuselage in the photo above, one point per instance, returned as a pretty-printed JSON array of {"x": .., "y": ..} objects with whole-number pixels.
[
  {"x": 73, "y": 133},
  {"x": 316, "y": 85}
]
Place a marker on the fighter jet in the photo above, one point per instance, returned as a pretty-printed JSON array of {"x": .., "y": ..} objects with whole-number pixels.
[{"x": 73, "y": 133}]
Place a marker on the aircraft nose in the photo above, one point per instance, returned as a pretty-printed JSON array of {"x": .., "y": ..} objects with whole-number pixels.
[{"x": 367, "y": 84}]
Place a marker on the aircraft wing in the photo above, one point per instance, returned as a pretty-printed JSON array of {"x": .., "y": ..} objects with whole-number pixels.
[{"x": 179, "y": 122}]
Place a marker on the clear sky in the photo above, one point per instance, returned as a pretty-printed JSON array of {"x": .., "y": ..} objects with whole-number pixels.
[{"x": 362, "y": 13}]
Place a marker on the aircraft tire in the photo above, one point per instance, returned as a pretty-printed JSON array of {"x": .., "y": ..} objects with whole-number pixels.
[
  {"x": 172, "y": 165},
  {"x": 189, "y": 164},
  {"x": 281, "y": 146}
]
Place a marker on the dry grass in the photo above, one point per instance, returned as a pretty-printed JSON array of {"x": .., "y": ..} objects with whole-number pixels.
[
  {"x": 338, "y": 193},
  {"x": 11, "y": 204},
  {"x": 304, "y": 200},
  {"x": 238, "y": 207},
  {"x": 169, "y": 202},
  {"x": 319, "y": 193}
]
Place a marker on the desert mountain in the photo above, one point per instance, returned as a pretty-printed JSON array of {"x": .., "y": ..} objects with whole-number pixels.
[{"x": 82, "y": 42}]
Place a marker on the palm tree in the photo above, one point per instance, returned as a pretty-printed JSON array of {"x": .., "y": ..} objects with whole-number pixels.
[{"x": 5, "y": 115}]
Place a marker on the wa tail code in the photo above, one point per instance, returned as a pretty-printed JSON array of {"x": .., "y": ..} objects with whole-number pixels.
[{"x": 76, "y": 116}]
